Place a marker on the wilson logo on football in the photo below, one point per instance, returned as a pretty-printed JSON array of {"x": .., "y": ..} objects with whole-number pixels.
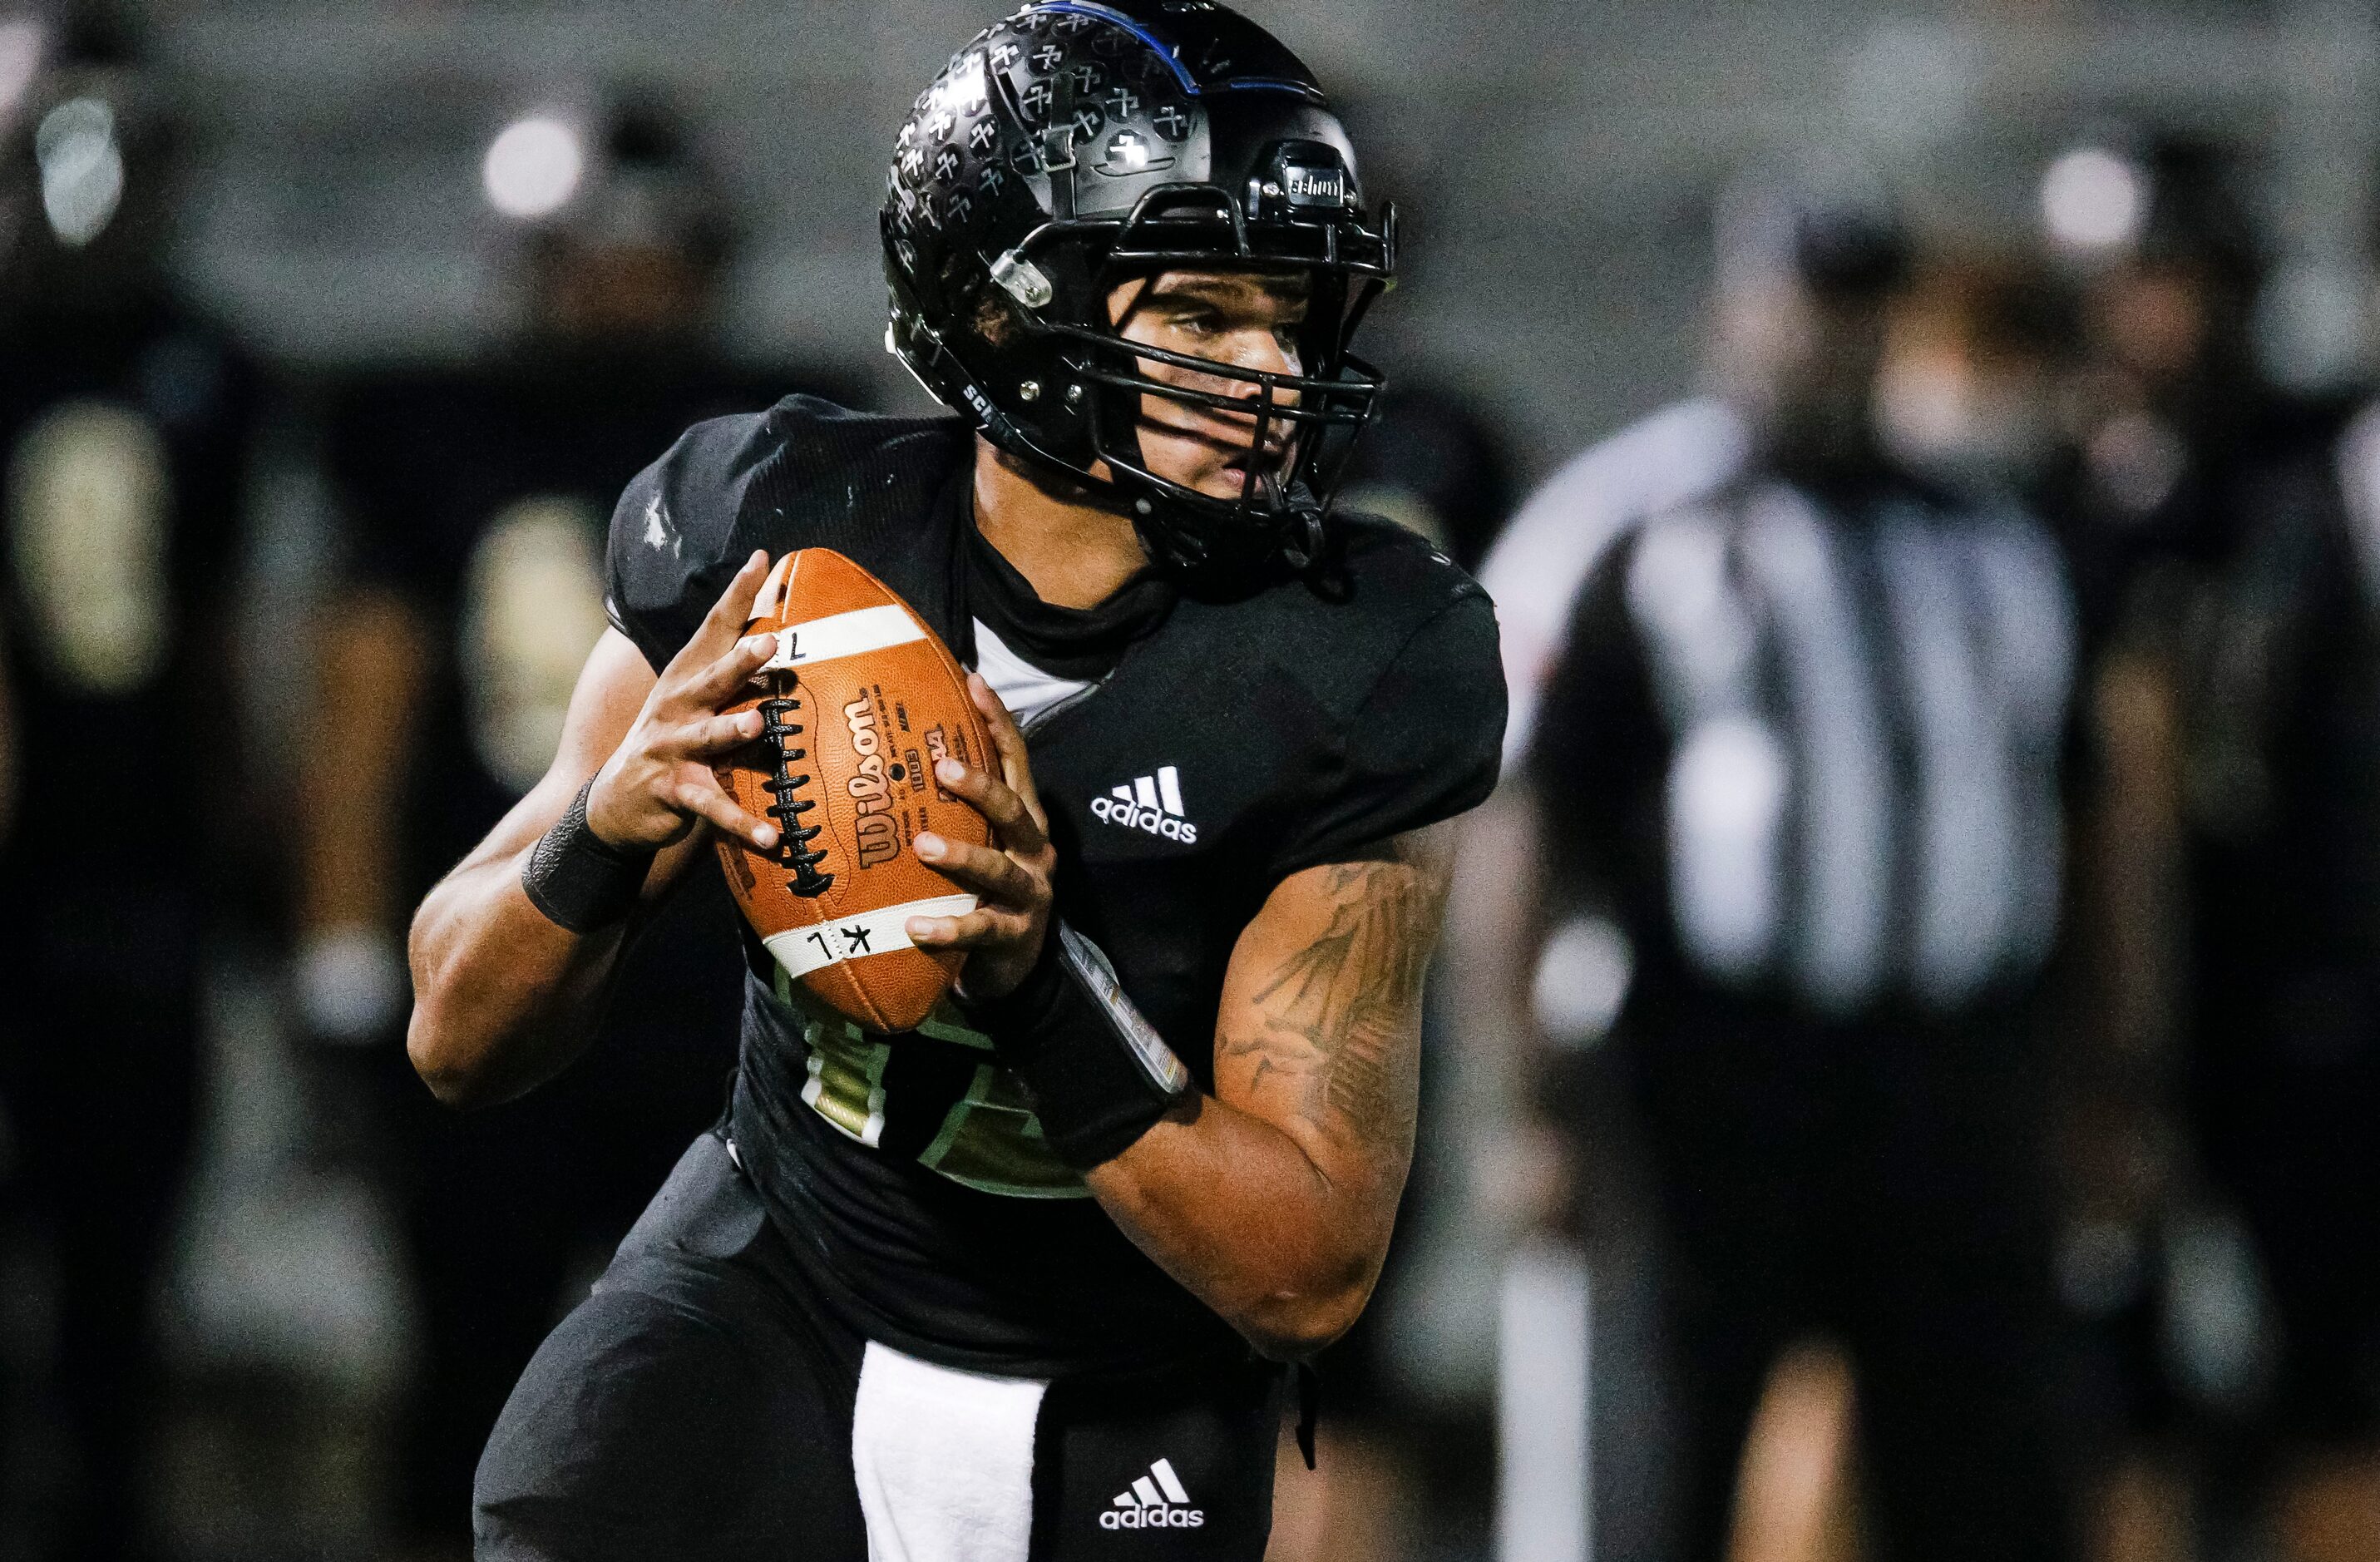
[
  {"x": 880, "y": 841},
  {"x": 1151, "y": 804},
  {"x": 860, "y": 691}
]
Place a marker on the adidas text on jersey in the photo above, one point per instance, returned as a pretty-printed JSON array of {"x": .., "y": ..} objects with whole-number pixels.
[
  {"x": 1155, "y": 1501},
  {"x": 1152, "y": 803}
]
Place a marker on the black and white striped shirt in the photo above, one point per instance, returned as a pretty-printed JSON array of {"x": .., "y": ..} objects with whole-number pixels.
[{"x": 1806, "y": 735}]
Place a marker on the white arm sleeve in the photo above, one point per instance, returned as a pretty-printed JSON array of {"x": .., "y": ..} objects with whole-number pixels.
[{"x": 1537, "y": 568}]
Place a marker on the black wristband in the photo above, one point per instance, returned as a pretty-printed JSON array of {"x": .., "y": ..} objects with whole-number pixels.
[
  {"x": 1098, "y": 1073},
  {"x": 576, "y": 879}
]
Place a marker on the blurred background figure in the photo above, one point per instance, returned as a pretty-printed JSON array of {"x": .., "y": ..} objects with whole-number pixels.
[
  {"x": 2224, "y": 532},
  {"x": 470, "y": 593},
  {"x": 1434, "y": 460},
  {"x": 126, "y": 424},
  {"x": 1973, "y": 389},
  {"x": 1797, "y": 743}
]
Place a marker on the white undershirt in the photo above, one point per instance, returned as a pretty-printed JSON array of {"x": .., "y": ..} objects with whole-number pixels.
[{"x": 1026, "y": 689}]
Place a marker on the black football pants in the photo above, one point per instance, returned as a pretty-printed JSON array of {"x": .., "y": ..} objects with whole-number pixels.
[
  {"x": 1879, "y": 1185},
  {"x": 98, "y": 1084},
  {"x": 705, "y": 1402},
  {"x": 497, "y": 1207}
]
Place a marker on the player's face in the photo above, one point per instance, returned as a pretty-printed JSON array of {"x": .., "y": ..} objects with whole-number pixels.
[
  {"x": 1249, "y": 320},
  {"x": 1804, "y": 362}
]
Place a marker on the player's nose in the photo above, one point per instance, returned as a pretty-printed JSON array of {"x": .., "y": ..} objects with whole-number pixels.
[
  {"x": 1267, "y": 358},
  {"x": 1261, "y": 352}
]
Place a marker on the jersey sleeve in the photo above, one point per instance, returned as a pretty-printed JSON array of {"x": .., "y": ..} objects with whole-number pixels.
[
  {"x": 679, "y": 533},
  {"x": 1422, "y": 747}
]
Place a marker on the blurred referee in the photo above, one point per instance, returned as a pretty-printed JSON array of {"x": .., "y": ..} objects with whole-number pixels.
[{"x": 1795, "y": 727}]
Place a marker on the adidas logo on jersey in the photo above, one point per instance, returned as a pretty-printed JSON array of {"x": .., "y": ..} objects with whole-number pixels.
[
  {"x": 1152, "y": 803},
  {"x": 1155, "y": 1501}
]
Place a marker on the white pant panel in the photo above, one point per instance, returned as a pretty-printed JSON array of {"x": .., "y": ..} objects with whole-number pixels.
[{"x": 945, "y": 1460}]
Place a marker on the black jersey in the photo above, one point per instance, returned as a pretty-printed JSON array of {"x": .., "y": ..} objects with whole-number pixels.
[
  {"x": 1199, "y": 752},
  {"x": 480, "y": 496},
  {"x": 2265, "y": 608},
  {"x": 125, "y": 436}
]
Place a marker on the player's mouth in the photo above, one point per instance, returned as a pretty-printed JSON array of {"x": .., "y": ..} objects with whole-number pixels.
[
  {"x": 1232, "y": 463},
  {"x": 1243, "y": 469},
  {"x": 1235, "y": 444}
]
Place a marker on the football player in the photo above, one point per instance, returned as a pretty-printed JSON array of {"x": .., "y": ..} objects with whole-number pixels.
[
  {"x": 474, "y": 502},
  {"x": 1018, "y": 1282},
  {"x": 2224, "y": 534},
  {"x": 127, "y": 423}
]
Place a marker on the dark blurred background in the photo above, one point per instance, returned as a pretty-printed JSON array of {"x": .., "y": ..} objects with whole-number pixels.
[{"x": 1902, "y": 1074}]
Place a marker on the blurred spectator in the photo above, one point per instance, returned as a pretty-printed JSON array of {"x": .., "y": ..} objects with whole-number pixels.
[
  {"x": 2225, "y": 537},
  {"x": 478, "y": 503},
  {"x": 1796, "y": 736},
  {"x": 125, "y": 426},
  {"x": 1433, "y": 461}
]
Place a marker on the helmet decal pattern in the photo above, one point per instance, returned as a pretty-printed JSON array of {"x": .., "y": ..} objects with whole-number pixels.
[{"x": 1078, "y": 143}]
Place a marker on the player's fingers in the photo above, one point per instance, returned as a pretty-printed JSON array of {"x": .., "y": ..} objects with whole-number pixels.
[
  {"x": 982, "y": 925},
  {"x": 1008, "y": 741},
  {"x": 725, "y": 680},
  {"x": 1017, "y": 827},
  {"x": 712, "y": 736},
  {"x": 994, "y": 874},
  {"x": 702, "y": 798},
  {"x": 1004, "y": 734},
  {"x": 724, "y": 622}
]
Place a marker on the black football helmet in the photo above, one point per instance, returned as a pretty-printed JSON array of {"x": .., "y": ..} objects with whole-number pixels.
[{"x": 1076, "y": 145}]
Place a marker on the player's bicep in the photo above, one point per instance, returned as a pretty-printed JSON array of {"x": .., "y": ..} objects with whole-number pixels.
[
  {"x": 612, "y": 689},
  {"x": 1321, "y": 1028}
]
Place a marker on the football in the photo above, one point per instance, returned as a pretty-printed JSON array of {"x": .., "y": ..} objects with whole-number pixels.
[{"x": 859, "y": 704}]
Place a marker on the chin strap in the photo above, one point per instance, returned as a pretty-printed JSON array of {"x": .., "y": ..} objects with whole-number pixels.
[
  {"x": 1058, "y": 148},
  {"x": 1309, "y": 1408},
  {"x": 1302, "y": 537}
]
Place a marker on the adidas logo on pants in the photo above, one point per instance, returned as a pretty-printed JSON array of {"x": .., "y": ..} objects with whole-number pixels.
[{"x": 1155, "y": 1501}]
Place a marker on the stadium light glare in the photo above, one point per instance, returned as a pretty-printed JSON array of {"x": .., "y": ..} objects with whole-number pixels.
[
  {"x": 533, "y": 167},
  {"x": 23, "y": 44},
  {"x": 82, "y": 169},
  {"x": 2092, "y": 201}
]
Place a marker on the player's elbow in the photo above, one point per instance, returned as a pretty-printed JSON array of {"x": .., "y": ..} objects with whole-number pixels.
[
  {"x": 463, "y": 1030},
  {"x": 435, "y": 1043},
  {"x": 454, "y": 1055},
  {"x": 444, "y": 1066},
  {"x": 476, "y": 1046},
  {"x": 1293, "y": 1326}
]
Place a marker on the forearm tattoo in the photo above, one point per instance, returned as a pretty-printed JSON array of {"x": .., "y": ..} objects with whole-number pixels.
[{"x": 1336, "y": 1025}]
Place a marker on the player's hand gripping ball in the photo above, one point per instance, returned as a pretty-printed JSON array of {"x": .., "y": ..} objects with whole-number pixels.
[{"x": 860, "y": 702}]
